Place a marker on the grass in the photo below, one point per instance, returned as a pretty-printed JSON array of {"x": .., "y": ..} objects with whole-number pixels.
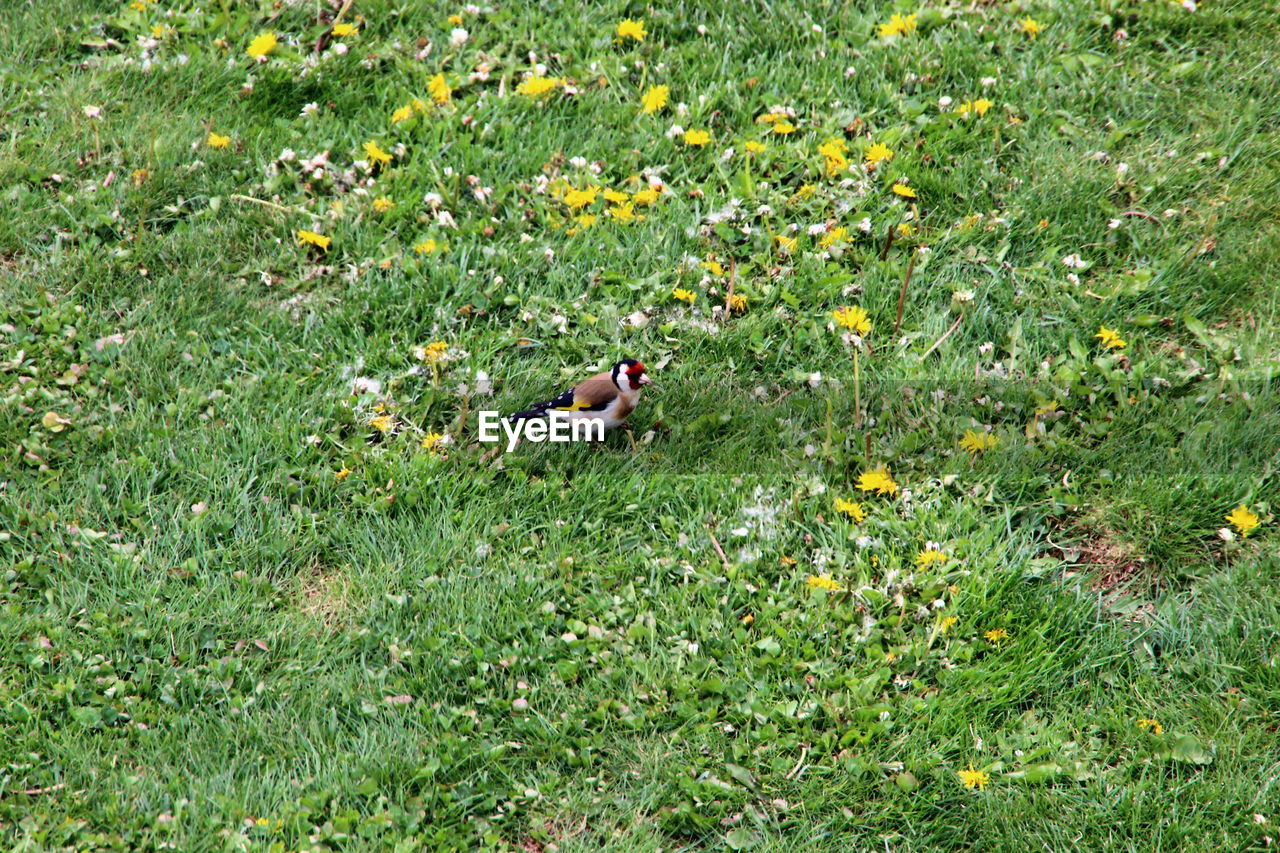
[{"x": 239, "y": 616}]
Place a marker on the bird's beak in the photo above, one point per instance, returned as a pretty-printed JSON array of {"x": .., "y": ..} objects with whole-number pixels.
[{"x": 645, "y": 380}]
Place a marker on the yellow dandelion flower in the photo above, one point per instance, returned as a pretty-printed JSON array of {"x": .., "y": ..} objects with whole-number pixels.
[
  {"x": 898, "y": 25},
  {"x": 614, "y": 197},
  {"x": 853, "y": 318},
  {"x": 578, "y": 199},
  {"x": 877, "y": 153},
  {"x": 217, "y": 140},
  {"x": 375, "y": 153},
  {"x": 439, "y": 90},
  {"x": 1110, "y": 338},
  {"x": 783, "y": 128},
  {"x": 140, "y": 177},
  {"x": 655, "y": 99},
  {"x": 833, "y": 155},
  {"x": 1153, "y": 725},
  {"x": 835, "y": 235},
  {"x": 586, "y": 220},
  {"x": 696, "y": 137},
  {"x": 382, "y": 205},
  {"x": 822, "y": 582},
  {"x": 646, "y": 196},
  {"x": 753, "y": 147},
  {"x": 981, "y": 105},
  {"x": 930, "y": 557},
  {"x": 401, "y": 114},
  {"x": 996, "y": 636},
  {"x": 973, "y": 778},
  {"x": 433, "y": 352},
  {"x": 622, "y": 212},
  {"x": 431, "y": 441},
  {"x": 629, "y": 29},
  {"x": 904, "y": 191},
  {"x": 713, "y": 267},
  {"x": 905, "y": 229},
  {"x": 339, "y": 476},
  {"x": 428, "y": 246},
  {"x": 945, "y": 623},
  {"x": 853, "y": 509},
  {"x": 1243, "y": 520},
  {"x": 975, "y": 442},
  {"x": 383, "y": 423},
  {"x": 455, "y": 20},
  {"x": 737, "y": 303},
  {"x": 314, "y": 239},
  {"x": 786, "y": 244},
  {"x": 877, "y": 480},
  {"x": 262, "y": 45},
  {"x": 341, "y": 30},
  {"x": 1030, "y": 26},
  {"x": 536, "y": 87},
  {"x": 684, "y": 295}
]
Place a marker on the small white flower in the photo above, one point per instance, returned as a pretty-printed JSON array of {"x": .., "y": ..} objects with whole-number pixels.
[
  {"x": 986, "y": 348},
  {"x": 93, "y": 112},
  {"x": 458, "y": 36},
  {"x": 309, "y": 110},
  {"x": 674, "y": 131},
  {"x": 1075, "y": 261},
  {"x": 341, "y": 49},
  {"x": 988, "y": 81},
  {"x": 944, "y": 102},
  {"x": 1113, "y": 224}
]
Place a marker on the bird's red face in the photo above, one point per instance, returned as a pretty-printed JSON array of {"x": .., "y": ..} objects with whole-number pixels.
[{"x": 637, "y": 377}]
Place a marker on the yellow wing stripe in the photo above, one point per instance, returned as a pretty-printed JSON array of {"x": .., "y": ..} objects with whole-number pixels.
[{"x": 578, "y": 406}]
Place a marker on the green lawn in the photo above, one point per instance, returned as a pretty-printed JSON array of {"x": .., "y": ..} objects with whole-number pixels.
[{"x": 263, "y": 589}]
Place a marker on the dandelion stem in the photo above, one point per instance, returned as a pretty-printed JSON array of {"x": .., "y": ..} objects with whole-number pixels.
[
  {"x": 728, "y": 298},
  {"x": 274, "y": 206},
  {"x": 888, "y": 243},
  {"x": 902, "y": 294},
  {"x": 857, "y": 393},
  {"x": 716, "y": 543},
  {"x": 945, "y": 335}
]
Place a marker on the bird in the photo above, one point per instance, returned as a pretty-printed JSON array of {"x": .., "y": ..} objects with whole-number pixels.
[{"x": 610, "y": 396}]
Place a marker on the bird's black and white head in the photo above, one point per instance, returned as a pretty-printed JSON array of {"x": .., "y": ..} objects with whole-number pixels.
[{"x": 629, "y": 376}]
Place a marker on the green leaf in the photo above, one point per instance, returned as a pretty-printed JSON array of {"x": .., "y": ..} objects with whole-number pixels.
[
  {"x": 742, "y": 774},
  {"x": 741, "y": 839},
  {"x": 1189, "y": 750}
]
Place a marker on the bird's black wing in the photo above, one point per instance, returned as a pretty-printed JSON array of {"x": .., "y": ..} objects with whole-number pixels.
[{"x": 563, "y": 401}]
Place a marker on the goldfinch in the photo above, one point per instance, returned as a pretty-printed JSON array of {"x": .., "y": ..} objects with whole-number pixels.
[{"x": 610, "y": 396}]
